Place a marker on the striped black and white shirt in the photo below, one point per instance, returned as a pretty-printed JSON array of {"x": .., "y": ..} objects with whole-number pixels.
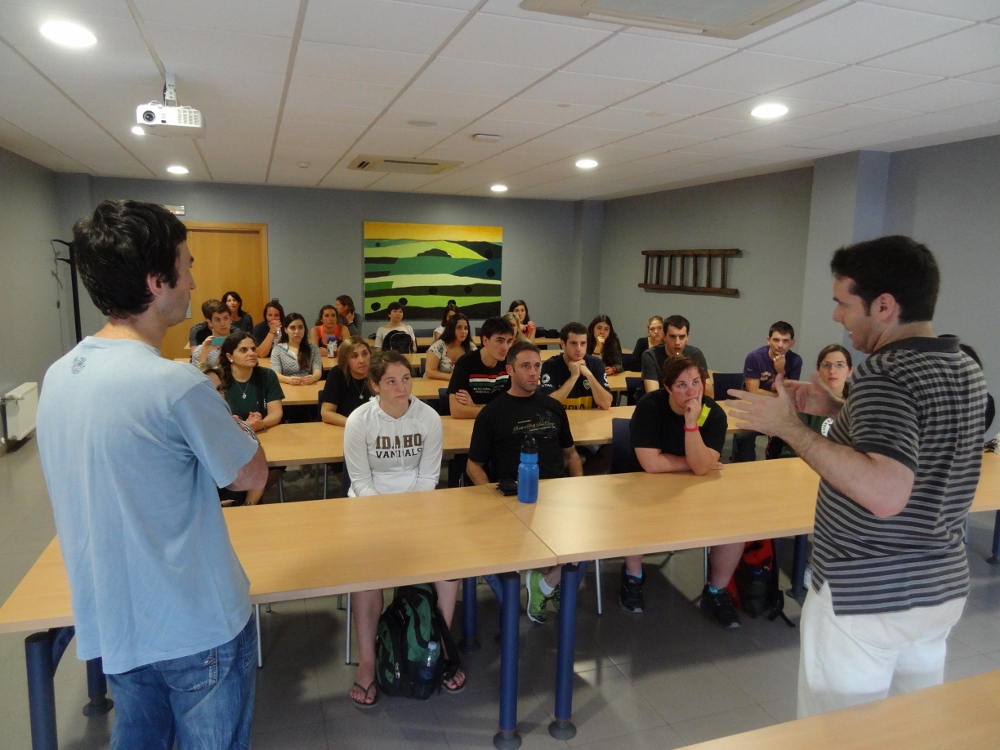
[{"x": 919, "y": 401}]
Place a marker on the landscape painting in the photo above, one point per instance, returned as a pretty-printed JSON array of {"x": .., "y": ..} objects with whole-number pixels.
[{"x": 422, "y": 266}]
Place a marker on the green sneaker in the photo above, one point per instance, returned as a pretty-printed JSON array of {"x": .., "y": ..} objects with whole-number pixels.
[{"x": 536, "y": 599}]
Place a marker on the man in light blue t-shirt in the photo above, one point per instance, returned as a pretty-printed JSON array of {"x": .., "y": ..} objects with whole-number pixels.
[{"x": 134, "y": 447}]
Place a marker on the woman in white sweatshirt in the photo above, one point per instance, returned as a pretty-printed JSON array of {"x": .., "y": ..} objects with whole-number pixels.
[{"x": 392, "y": 444}]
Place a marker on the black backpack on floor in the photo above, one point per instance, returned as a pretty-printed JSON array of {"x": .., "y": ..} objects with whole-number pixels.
[
  {"x": 409, "y": 624},
  {"x": 754, "y": 586}
]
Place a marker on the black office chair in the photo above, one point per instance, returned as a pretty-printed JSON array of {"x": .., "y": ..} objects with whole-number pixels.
[
  {"x": 423, "y": 367},
  {"x": 619, "y": 445},
  {"x": 724, "y": 381},
  {"x": 626, "y": 360},
  {"x": 444, "y": 406},
  {"x": 633, "y": 390}
]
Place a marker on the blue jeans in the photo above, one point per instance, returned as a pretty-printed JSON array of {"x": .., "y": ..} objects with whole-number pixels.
[{"x": 205, "y": 700}]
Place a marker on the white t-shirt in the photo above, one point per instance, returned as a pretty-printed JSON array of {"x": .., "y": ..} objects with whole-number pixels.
[
  {"x": 381, "y": 333},
  {"x": 134, "y": 447},
  {"x": 385, "y": 455}
]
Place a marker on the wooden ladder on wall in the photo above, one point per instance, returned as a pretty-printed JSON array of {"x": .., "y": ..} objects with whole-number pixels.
[{"x": 694, "y": 277}]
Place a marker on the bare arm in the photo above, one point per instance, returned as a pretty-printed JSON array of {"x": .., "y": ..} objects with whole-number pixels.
[
  {"x": 571, "y": 460},
  {"x": 460, "y": 410},
  {"x": 253, "y": 474},
  {"x": 312, "y": 377},
  {"x": 274, "y": 415},
  {"x": 476, "y": 472},
  {"x": 328, "y": 413},
  {"x": 602, "y": 397},
  {"x": 651, "y": 385},
  {"x": 432, "y": 369},
  {"x": 753, "y": 386},
  {"x": 562, "y": 391},
  {"x": 654, "y": 461}
]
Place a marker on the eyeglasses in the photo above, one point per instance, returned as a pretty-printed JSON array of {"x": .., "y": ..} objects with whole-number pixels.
[{"x": 833, "y": 365}]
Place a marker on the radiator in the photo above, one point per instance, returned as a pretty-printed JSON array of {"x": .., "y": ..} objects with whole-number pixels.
[{"x": 20, "y": 408}]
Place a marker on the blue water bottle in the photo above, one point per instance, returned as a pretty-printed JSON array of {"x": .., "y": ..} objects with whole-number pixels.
[{"x": 527, "y": 472}]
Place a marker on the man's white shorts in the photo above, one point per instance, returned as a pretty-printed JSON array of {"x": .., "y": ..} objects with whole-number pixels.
[{"x": 854, "y": 659}]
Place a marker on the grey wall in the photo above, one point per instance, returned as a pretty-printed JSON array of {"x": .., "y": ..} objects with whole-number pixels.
[
  {"x": 766, "y": 217},
  {"x": 948, "y": 197},
  {"x": 315, "y": 237},
  {"x": 34, "y": 331}
]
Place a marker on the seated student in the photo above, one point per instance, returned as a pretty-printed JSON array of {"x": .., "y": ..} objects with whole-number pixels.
[
  {"x": 228, "y": 497},
  {"x": 240, "y": 320},
  {"x": 480, "y": 375},
  {"x": 760, "y": 369},
  {"x": 253, "y": 393},
  {"x": 675, "y": 342},
  {"x": 394, "y": 419},
  {"x": 346, "y": 386},
  {"x": 396, "y": 325},
  {"x": 449, "y": 313},
  {"x": 602, "y": 341},
  {"x": 577, "y": 380},
  {"x": 834, "y": 367},
  {"x": 346, "y": 315},
  {"x": 515, "y": 326},
  {"x": 201, "y": 331},
  {"x": 294, "y": 360},
  {"x": 327, "y": 330},
  {"x": 520, "y": 308},
  {"x": 679, "y": 428},
  {"x": 268, "y": 332},
  {"x": 653, "y": 337},
  {"x": 498, "y": 434},
  {"x": 455, "y": 343},
  {"x": 221, "y": 326}
]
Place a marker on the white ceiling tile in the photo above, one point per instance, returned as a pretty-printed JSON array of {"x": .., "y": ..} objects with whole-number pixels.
[
  {"x": 965, "y": 51},
  {"x": 514, "y": 41},
  {"x": 858, "y": 32},
  {"x": 657, "y": 143},
  {"x": 721, "y": 148},
  {"x": 614, "y": 154},
  {"x": 579, "y": 88},
  {"x": 513, "y": 8},
  {"x": 451, "y": 150},
  {"x": 972, "y": 10},
  {"x": 25, "y": 144},
  {"x": 220, "y": 49},
  {"x": 707, "y": 127},
  {"x": 509, "y": 162},
  {"x": 459, "y": 4},
  {"x": 332, "y": 113},
  {"x": 854, "y": 84},
  {"x": 381, "y": 24},
  {"x": 304, "y": 91},
  {"x": 935, "y": 97},
  {"x": 922, "y": 125},
  {"x": 472, "y": 77},
  {"x": 985, "y": 76},
  {"x": 988, "y": 111},
  {"x": 264, "y": 17},
  {"x": 301, "y": 135},
  {"x": 854, "y": 140},
  {"x": 756, "y": 73},
  {"x": 199, "y": 86},
  {"x": 75, "y": 9},
  {"x": 434, "y": 103},
  {"x": 646, "y": 58},
  {"x": 290, "y": 175},
  {"x": 349, "y": 179},
  {"x": 408, "y": 144},
  {"x": 581, "y": 137},
  {"x": 683, "y": 100},
  {"x": 548, "y": 150},
  {"x": 628, "y": 120},
  {"x": 456, "y": 182},
  {"x": 526, "y": 110},
  {"x": 511, "y": 132},
  {"x": 339, "y": 61},
  {"x": 779, "y": 134},
  {"x": 852, "y": 116},
  {"x": 444, "y": 124}
]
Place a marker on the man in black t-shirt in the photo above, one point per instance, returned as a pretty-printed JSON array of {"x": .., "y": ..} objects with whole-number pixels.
[
  {"x": 677, "y": 428},
  {"x": 497, "y": 437},
  {"x": 676, "y": 334},
  {"x": 480, "y": 375},
  {"x": 578, "y": 381}
]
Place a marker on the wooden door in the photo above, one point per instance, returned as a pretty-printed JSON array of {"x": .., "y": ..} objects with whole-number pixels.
[{"x": 226, "y": 257}]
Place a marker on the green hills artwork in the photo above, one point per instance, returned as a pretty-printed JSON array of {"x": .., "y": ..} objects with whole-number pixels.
[{"x": 422, "y": 266}]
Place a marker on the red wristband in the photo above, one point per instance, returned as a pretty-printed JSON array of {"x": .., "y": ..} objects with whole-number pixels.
[{"x": 691, "y": 429}]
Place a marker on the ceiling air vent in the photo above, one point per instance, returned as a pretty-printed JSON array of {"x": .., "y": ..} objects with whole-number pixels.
[
  {"x": 401, "y": 164},
  {"x": 719, "y": 18}
]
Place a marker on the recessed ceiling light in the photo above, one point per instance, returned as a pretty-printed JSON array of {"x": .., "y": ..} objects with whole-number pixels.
[
  {"x": 138, "y": 130},
  {"x": 499, "y": 188},
  {"x": 769, "y": 111},
  {"x": 586, "y": 164},
  {"x": 421, "y": 123},
  {"x": 177, "y": 169},
  {"x": 67, "y": 34}
]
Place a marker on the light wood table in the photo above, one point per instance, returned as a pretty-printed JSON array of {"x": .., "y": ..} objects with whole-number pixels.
[
  {"x": 303, "y": 550},
  {"x": 307, "y": 443},
  {"x": 302, "y": 395},
  {"x": 960, "y": 714}
]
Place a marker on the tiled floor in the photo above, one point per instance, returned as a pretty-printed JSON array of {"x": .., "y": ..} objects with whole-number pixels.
[{"x": 663, "y": 679}]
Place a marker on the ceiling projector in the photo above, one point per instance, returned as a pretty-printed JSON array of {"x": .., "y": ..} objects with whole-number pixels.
[{"x": 166, "y": 120}]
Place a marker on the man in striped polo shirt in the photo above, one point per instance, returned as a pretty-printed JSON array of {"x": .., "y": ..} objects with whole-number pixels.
[{"x": 898, "y": 474}]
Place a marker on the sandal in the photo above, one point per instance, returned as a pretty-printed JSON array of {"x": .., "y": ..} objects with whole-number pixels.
[
  {"x": 364, "y": 704},
  {"x": 451, "y": 677}
]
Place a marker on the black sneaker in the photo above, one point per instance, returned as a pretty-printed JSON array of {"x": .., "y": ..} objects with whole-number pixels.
[
  {"x": 630, "y": 593},
  {"x": 720, "y": 607}
]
